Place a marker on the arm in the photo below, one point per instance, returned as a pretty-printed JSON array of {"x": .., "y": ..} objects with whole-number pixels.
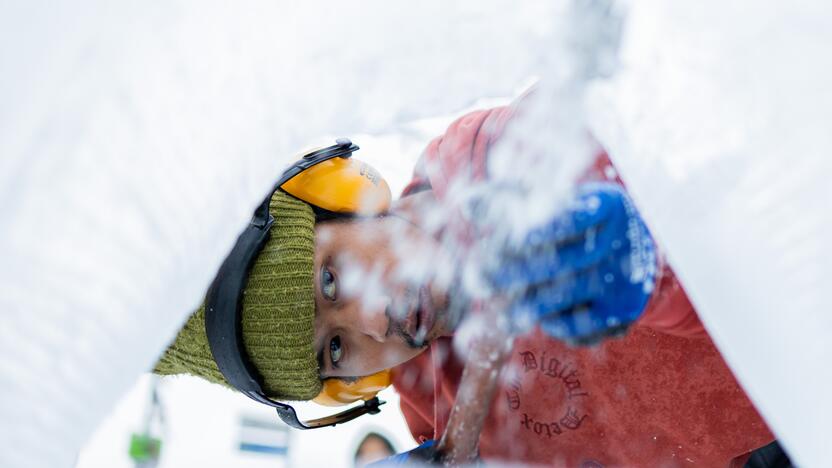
[
  {"x": 669, "y": 310},
  {"x": 462, "y": 151},
  {"x": 418, "y": 421}
]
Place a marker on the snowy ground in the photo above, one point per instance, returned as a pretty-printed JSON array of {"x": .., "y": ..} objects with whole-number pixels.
[{"x": 136, "y": 139}]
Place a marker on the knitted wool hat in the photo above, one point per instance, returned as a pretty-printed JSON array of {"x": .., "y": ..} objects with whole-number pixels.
[{"x": 278, "y": 313}]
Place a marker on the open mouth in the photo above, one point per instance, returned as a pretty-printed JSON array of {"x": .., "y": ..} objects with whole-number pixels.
[{"x": 417, "y": 318}]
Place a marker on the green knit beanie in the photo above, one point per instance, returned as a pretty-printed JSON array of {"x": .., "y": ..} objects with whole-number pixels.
[{"x": 278, "y": 313}]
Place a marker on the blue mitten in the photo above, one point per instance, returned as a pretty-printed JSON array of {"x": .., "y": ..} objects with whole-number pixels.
[{"x": 586, "y": 275}]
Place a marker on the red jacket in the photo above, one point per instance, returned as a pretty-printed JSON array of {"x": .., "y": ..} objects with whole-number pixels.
[{"x": 661, "y": 396}]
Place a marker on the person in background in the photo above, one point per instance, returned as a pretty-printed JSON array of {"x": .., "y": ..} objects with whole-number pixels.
[{"x": 372, "y": 448}]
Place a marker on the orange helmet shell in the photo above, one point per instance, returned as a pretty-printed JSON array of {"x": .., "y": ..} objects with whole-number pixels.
[
  {"x": 338, "y": 392},
  {"x": 342, "y": 185}
]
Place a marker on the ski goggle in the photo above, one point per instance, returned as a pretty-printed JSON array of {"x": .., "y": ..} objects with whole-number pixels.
[{"x": 335, "y": 185}]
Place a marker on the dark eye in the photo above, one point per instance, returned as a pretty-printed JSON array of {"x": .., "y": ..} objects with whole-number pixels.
[
  {"x": 328, "y": 286},
  {"x": 335, "y": 350}
]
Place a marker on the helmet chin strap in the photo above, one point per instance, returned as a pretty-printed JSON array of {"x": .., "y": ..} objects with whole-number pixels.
[{"x": 223, "y": 311}]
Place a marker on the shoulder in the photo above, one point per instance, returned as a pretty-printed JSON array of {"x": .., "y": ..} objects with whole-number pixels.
[{"x": 461, "y": 151}]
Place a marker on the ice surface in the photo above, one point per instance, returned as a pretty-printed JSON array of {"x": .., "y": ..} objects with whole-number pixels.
[{"x": 719, "y": 122}]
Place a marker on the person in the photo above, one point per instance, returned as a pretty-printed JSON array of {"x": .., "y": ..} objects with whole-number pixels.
[
  {"x": 372, "y": 448},
  {"x": 661, "y": 394}
]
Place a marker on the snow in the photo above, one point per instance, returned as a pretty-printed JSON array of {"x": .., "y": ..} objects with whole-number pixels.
[
  {"x": 728, "y": 161},
  {"x": 136, "y": 139}
]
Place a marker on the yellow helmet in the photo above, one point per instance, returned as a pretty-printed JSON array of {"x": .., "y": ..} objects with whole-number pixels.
[{"x": 333, "y": 183}]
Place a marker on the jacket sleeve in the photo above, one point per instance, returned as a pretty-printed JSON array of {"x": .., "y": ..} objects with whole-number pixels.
[
  {"x": 419, "y": 423},
  {"x": 414, "y": 382},
  {"x": 669, "y": 310},
  {"x": 462, "y": 152}
]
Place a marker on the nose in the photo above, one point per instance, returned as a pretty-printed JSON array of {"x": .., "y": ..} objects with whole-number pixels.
[{"x": 373, "y": 318}]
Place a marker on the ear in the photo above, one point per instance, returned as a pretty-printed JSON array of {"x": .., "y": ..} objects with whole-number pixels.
[
  {"x": 342, "y": 185},
  {"x": 339, "y": 392}
]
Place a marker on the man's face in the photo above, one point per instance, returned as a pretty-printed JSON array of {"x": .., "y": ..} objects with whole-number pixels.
[{"x": 379, "y": 294}]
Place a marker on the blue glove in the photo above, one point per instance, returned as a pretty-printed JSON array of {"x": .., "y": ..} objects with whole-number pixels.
[
  {"x": 423, "y": 454},
  {"x": 586, "y": 275}
]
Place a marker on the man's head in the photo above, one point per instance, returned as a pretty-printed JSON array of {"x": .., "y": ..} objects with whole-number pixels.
[
  {"x": 277, "y": 313},
  {"x": 381, "y": 293},
  {"x": 341, "y": 298}
]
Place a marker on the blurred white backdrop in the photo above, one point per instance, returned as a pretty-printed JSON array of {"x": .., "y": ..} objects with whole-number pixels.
[
  {"x": 202, "y": 428},
  {"x": 202, "y": 420}
]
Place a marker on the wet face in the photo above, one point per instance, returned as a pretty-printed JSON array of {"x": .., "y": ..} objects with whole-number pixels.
[{"x": 379, "y": 295}]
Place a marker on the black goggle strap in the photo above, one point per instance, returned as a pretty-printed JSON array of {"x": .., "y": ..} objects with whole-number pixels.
[{"x": 223, "y": 311}]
